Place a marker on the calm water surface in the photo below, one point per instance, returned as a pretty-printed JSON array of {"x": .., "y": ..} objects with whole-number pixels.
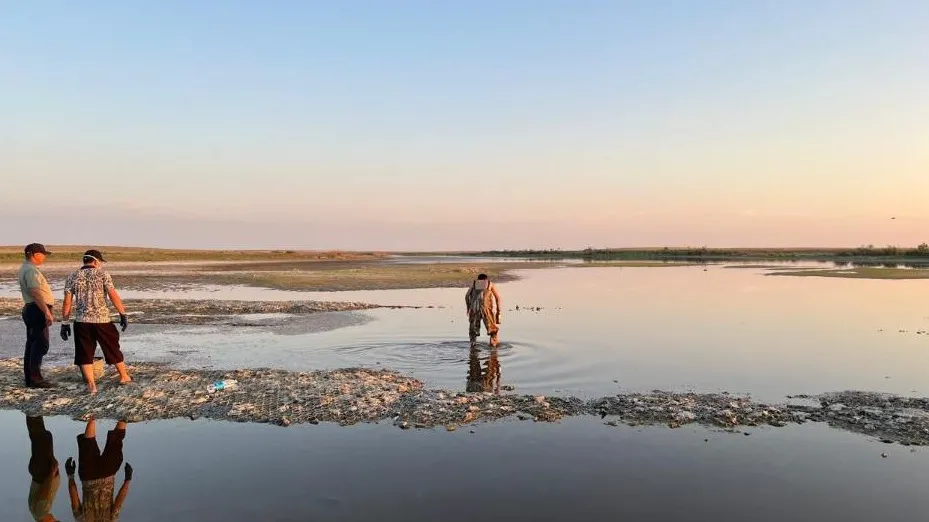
[
  {"x": 644, "y": 328},
  {"x": 576, "y": 470},
  {"x": 599, "y": 330}
]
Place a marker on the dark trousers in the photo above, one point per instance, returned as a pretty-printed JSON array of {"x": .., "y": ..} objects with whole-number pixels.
[
  {"x": 42, "y": 462},
  {"x": 93, "y": 465},
  {"x": 36, "y": 342}
]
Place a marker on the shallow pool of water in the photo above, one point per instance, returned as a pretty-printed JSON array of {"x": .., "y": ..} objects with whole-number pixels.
[
  {"x": 590, "y": 331},
  {"x": 595, "y": 330},
  {"x": 586, "y": 331},
  {"x": 576, "y": 470}
]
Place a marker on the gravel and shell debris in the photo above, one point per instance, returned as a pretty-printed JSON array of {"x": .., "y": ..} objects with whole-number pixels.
[
  {"x": 159, "y": 391},
  {"x": 353, "y": 395}
]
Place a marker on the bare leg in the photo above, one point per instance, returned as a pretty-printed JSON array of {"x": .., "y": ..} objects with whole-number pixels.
[
  {"x": 90, "y": 431},
  {"x": 490, "y": 323},
  {"x": 121, "y": 425},
  {"x": 88, "y": 371},
  {"x": 123, "y": 373}
]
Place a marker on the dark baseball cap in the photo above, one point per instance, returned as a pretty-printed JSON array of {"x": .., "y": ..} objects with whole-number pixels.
[
  {"x": 36, "y": 248},
  {"x": 94, "y": 254}
]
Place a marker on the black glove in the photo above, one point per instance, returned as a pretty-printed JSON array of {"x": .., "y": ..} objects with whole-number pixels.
[
  {"x": 70, "y": 467},
  {"x": 128, "y": 471},
  {"x": 65, "y": 331},
  {"x": 124, "y": 322}
]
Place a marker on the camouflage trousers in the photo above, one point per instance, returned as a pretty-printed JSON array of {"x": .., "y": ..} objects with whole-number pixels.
[{"x": 490, "y": 323}]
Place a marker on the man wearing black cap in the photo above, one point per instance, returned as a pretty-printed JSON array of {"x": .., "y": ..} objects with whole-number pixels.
[
  {"x": 37, "y": 313},
  {"x": 86, "y": 291}
]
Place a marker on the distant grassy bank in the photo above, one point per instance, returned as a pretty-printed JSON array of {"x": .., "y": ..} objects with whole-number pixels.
[
  {"x": 327, "y": 277},
  {"x": 858, "y": 273},
  {"x": 162, "y": 269},
  {"x": 863, "y": 255},
  {"x": 72, "y": 254}
]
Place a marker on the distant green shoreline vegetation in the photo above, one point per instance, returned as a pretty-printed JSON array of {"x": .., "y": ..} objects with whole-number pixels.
[{"x": 863, "y": 254}]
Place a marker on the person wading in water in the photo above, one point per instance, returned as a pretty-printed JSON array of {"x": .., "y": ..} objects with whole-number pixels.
[{"x": 483, "y": 304}]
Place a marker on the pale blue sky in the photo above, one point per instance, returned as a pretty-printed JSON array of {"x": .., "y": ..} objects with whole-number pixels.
[{"x": 398, "y": 125}]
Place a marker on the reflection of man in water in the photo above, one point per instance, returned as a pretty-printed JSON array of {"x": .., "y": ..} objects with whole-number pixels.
[
  {"x": 480, "y": 299},
  {"x": 486, "y": 378},
  {"x": 43, "y": 467},
  {"x": 98, "y": 475}
]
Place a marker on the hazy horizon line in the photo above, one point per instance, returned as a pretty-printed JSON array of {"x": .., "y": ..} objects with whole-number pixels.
[{"x": 68, "y": 247}]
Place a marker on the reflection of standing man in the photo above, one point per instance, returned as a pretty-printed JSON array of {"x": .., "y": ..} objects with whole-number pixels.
[
  {"x": 37, "y": 313},
  {"x": 43, "y": 467},
  {"x": 98, "y": 475},
  {"x": 486, "y": 379}
]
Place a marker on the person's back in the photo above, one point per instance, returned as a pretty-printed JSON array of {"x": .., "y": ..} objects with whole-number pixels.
[
  {"x": 86, "y": 292},
  {"x": 88, "y": 287},
  {"x": 477, "y": 296},
  {"x": 481, "y": 300}
]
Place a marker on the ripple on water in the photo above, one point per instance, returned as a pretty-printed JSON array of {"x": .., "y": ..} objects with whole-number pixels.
[
  {"x": 428, "y": 355},
  {"x": 451, "y": 364}
]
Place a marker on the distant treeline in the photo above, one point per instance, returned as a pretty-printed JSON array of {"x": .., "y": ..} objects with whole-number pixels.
[{"x": 722, "y": 254}]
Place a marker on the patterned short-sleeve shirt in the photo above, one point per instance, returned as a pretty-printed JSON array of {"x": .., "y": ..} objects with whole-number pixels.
[{"x": 88, "y": 288}]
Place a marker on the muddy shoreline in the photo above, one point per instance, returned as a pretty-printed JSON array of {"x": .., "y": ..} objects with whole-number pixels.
[
  {"x": 210, "y": 311},
  {"x": 355, "y": 395},
  {"x": 331, "y": 275}
]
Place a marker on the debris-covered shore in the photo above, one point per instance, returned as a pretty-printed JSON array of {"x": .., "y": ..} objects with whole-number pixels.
[
  {"x": 209, "y": 311},
  {"x": 350, "y": 396}
]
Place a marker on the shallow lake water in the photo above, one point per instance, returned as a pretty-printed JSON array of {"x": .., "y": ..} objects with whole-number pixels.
[
  {"x": 590, "y": 331},
  {"x": 575, "y": 470},
  {"x": 593, "y": 331},
  {"x": 586, "y": 331}
]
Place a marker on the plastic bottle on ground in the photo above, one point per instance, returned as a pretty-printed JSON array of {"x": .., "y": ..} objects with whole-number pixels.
[{"x": 221, "y": 385}]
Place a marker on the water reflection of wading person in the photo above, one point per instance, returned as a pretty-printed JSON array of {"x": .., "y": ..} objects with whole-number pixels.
[
  {"x": 483, "y": 379},
  {"x": 43, "y": 467},
  {"x": 481, "y": 298},
  {"x": 87, "y": 290},
  {"x": 98, "y": 475}
]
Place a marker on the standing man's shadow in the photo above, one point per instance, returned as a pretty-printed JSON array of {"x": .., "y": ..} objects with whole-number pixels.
[
  {"x": 97, "y": 472},
  {"x": 44, "y": 470}
]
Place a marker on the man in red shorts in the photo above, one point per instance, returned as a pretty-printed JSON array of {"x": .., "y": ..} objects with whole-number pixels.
[{"x": 86, "y": 291}]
